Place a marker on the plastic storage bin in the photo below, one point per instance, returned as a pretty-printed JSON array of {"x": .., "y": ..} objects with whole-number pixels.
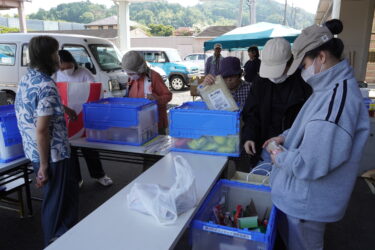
[
  {"x": 205, "y": 234},
  {"x": 10, "y": 138},
  {"x": 132, "y": 121},
  {"x": 197, "y": 129}
]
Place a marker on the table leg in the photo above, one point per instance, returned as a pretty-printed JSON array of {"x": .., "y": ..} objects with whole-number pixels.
[{"x": 27, "y": 187}]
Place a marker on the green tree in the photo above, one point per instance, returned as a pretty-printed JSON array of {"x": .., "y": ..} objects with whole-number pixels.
[
  {"x": 87, "y": 17},
  {"x": 161, "y": 30},
  {"x": 222, "y": 12},
  {"x": 4, "y": 29},
  {"x": 145, "y": 17}
]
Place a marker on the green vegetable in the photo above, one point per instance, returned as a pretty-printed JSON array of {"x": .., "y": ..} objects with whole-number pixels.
[
  {"x": 197, "y": 143},
  {"x": 219, "y": 139},
  {"x": 210, "y": 147},
  {"x": 225, "y": 149}
]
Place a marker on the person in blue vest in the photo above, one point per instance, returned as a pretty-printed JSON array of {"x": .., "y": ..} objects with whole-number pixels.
[{"x": 315, "y": 171}]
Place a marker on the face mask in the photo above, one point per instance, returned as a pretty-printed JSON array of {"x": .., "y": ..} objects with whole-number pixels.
[
  {"x": 134, "y": 77},
  {"x": 279, "y": 79},
  {"x": 309, "y": 72},
  {"x": 69, "y": 72}
]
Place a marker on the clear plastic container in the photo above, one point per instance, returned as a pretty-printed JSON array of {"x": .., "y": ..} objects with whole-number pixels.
[
  {"x": 10, "y": 139},
  {"x": 130, "y": 121}
]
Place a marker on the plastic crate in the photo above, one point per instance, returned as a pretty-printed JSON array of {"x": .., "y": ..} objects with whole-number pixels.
[
  {"x": 205, "y": 234},
  {"x": 131, "y": 121},
  {"x": 10, "y": 138},
  {"x": 197, "y": 129}
]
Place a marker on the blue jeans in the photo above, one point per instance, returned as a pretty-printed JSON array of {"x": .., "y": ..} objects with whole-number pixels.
[{"x": 60, "y": 199}]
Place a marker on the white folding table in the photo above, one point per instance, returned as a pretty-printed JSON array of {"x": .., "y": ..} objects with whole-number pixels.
[{"x": 114, "y": 226}]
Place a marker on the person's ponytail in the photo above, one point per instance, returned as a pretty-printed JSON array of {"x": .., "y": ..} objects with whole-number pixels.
[{"x": 335, "y": 46}]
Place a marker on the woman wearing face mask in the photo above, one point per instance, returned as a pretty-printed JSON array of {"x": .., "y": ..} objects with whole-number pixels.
[
  {"x": 147, "y": 83},
  {"x": 70, "y": 71},
  {"x": 274, "y": 100},
  {"x": 313, "y": 176}
]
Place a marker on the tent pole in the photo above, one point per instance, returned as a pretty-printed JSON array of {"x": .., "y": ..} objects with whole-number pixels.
[{"x": 239, "y": 21}]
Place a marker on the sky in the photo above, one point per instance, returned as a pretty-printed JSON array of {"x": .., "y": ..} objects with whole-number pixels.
[{"x": 33, "y": 7}]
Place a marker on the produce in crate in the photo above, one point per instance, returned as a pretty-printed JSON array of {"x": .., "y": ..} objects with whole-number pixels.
[{"x": 222, "y": 144}]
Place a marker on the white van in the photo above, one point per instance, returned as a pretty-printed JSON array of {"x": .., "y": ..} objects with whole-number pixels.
[{"x": 98, "y": 55}]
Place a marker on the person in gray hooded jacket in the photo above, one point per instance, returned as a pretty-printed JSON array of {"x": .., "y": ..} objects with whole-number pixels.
[{"x": 314, "y": 173}]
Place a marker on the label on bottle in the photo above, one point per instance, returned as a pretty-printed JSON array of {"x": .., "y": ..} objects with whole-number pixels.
[{"x": 218, "y": 100}]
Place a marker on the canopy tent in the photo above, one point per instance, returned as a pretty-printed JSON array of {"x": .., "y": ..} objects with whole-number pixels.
[{"x": 256, "y": 34}]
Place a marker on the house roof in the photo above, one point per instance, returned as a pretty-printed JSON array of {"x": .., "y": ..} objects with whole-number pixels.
[
  {"x": 214, "y": 31},
  {"x": 112, "y": 20}
]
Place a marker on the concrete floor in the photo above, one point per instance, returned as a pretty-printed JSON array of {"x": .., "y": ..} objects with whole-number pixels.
[{"x": 355, "y": 232}]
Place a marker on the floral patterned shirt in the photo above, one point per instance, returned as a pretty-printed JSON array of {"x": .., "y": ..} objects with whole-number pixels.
[{"x": 37, "y": 95}]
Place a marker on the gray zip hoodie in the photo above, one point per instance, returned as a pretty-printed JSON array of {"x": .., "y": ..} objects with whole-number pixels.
[{"x": 313, "y": 179}]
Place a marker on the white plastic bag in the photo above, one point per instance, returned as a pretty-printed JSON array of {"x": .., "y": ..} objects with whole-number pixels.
[{"x": 165, "y": 204}]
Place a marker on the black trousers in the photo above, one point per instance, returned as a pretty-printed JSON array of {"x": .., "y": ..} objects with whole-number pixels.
[{"x": 93, "y": 163}]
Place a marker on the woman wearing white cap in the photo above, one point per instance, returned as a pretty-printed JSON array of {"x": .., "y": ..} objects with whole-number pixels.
[
  {"x": 314, "y": 174},
  {"x": 274, "y": 100}
]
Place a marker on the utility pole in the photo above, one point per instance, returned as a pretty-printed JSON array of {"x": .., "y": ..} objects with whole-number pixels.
[
  {"x": 286, "y": 4},
  {"x": 252, "y": 10},
  {"x": 239, "y": 21}
]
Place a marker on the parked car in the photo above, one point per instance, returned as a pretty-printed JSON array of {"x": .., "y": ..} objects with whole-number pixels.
[
  {"x": 199, "y": 59},
  {"x": 179, "y": 73},
  {"x": 98, "y": 55},
  {"x": 161, "y": 73}
]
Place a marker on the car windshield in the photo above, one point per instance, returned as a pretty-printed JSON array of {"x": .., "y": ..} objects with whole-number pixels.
[
  {"x": 107, "y": 56},
  {"x": 173, "y": 56}
]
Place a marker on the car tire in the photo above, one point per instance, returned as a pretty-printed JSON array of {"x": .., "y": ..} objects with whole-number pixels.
[
  {"x": 10, "y": 97},
  {"x": 177, "y": 83}
]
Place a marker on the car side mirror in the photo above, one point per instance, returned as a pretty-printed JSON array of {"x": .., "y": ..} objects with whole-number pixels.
[
  {"x": 161, "y": 60},
  {"x": 113, "y": 85}
]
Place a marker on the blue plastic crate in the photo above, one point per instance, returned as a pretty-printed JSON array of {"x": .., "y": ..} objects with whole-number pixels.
[
  {"x": 114, "y": 112},
  {"x": 196, "y": 129},
  {"x": 194, "y": 119},
  {"x": 129, "y": 121},
  {"x": 205, "y": 234},
  {"x": 10, "y": 137}
]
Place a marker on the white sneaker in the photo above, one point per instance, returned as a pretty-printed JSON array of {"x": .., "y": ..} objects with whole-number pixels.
[{"x": 105, "y": 181}]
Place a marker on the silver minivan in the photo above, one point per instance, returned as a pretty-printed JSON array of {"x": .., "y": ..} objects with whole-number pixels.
[{"x": 98, "y": 55}]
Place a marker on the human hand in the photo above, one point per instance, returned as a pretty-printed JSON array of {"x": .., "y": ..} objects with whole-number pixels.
[
  {"x": 279, "y": 140},
  {"x": 250, "y": 147},
  {"x": 42, "y": 176},
  {"x": 71, "y": 113},
  {"x": 152, "y": 97},
  {"x": 209, "y": 80}
]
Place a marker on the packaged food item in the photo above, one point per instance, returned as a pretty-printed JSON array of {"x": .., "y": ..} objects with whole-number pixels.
[
  {"x": 217, "y": 96},
  {"x": 274, "y": 146},
  {"x": 147, "y": 87}
]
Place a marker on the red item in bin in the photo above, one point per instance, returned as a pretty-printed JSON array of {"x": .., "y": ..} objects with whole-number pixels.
[{"x": 73, "y": 95}]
